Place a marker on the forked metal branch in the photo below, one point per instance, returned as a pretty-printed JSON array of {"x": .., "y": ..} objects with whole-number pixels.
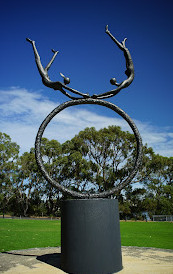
[
  {"x": 63, "y": 86},
  {"x": 129, "y": 70}
]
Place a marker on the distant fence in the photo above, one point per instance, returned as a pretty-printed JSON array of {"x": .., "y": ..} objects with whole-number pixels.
[
  {"x": 163, "y": 218},
  {"x": 29, "y": 218}
]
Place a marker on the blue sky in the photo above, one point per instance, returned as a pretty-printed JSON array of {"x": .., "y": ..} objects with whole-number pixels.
[{"x": 90, "y": 58}]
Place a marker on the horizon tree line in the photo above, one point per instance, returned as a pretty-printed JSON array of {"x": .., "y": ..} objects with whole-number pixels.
[{"x": 94, "y": 160}]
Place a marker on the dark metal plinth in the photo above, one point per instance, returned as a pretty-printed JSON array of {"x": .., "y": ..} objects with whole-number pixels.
[{"x": 90, "y": 236}]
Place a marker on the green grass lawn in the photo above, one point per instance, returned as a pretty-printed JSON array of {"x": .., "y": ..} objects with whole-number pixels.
[
  {"x": 147, "y": 234},
  {"x": 22, "y": 234}
]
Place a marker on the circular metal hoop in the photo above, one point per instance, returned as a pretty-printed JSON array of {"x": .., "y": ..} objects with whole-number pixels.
[{"x": 82, "y": 102}]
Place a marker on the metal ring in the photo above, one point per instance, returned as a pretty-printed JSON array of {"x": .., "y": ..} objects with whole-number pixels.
[{"x": 82, "y": 102}]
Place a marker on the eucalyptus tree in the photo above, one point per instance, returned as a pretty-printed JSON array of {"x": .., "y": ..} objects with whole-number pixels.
[
  {"x": 94, "y": 160},
  {"x": 9, "y": 153},
  {"x": 159, "y": 185},
  {"x": 99, "y": 159},
  {"x": 32, "y": 190},
  {"x": 53, "y": 161},
  {"x": 28, "y": 181}
]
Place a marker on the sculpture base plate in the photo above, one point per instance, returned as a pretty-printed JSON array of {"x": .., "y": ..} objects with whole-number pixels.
[{"x": 90, "y": 236}]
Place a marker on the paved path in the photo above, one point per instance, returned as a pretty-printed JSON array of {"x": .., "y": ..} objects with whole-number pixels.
[{"x": 136, "y": 260}]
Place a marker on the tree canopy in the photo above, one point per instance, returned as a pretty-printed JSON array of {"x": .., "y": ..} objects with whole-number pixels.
[{"x": 92, "y": 161}]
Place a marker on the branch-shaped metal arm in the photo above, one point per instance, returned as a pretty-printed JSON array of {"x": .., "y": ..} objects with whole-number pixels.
[
  {"x": 129, "y": 70},
  {"x": 46, "y": 80},
  {"x": 60, "y": 86}
]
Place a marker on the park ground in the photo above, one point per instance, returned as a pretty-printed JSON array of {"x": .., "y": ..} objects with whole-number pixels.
[
  {"x": 33, "y": 246},
  {"x": 18, "y": 234},
  {"x": 136, "y": 260}
]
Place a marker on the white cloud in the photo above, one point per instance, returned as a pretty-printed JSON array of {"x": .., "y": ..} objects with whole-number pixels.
[{"x": 21, "y": 113}]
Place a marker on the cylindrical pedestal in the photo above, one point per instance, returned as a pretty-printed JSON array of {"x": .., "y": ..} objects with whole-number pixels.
[{"x": 90, "y": 236}]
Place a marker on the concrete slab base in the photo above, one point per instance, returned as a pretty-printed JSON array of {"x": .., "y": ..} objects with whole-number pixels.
[{"x": 136, "y": 260}]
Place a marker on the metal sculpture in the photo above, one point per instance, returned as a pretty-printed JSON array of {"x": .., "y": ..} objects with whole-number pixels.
[
  {"x": 60, "y": 86},
  {"x": 87, "y": 99},
  {"x": 92, "y": 222}
]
